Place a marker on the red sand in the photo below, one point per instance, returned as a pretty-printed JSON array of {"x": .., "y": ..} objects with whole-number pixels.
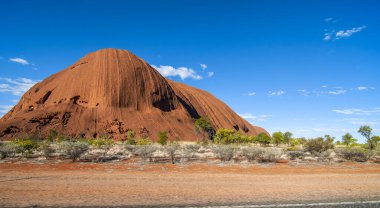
[{"x": 128, "y": 183}]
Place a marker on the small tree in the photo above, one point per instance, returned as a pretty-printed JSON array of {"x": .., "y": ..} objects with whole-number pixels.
[
  {"x": 329, "y": 138},
  {"x": 131, "y": 137},
  {"x": 203, "y": 126},
  {"x": 278, "y": 138},
  {"x": 348, "y": 140},
  {"x": 162, "y": 137},
  {"x": 287, "y": 137},
  {"x": 172, "y": 149},
  {"x": 263, "y": 139},
  {"x": 366, "y": 131}
]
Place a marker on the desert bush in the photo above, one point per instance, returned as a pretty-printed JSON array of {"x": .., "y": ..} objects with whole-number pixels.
[
  {"x": 224, "y": 152},
  {"x": 204, "y": 127},
  {"x": 270, "y": 155},
  {"x": 8, "y": 149},
  {"x": 172, "y": 149},
  {"x": 318, "y": 145},
  {"x": 191, "y": 149},
  {"x": 130, "y": 142},
  {"x": 146, "y": 151},
  {"x": 27, "y": 143},
  {"x": 74, "y": 149},
  {"x": 252, "y": 153},
  {"x": 354, "y": 154},
  {"x": 162, "y": 137},
  {"x": 104, "y": 144},
  {"x": 46, "y": 148},
  {"x": 295, "y": 154},
  {"x": 143, "y": 141}
]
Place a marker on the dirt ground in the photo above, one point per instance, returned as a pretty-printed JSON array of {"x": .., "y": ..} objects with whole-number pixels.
[{"x": 130, "y": 183}]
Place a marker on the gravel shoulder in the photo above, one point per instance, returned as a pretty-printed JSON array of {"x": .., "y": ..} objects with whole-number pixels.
[{"x": 25, "y": 184}]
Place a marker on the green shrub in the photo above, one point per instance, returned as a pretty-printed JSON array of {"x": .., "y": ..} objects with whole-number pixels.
[
  {"x": 318, "y": 145},
  {"x": 295, "y": 154},
  {"x": 27, "y": 143},
  {"x": 130, "y": 134},
  {"x": 203, "y": 126},
  {"x": 163, "y": 137},
  {"x": 263, "y": 139},
  {"x": 228, "y": 136},
  {"x": 354, "y": 154},
  {"x": 143, "y": 141},
  {"x": 131, "y": 142},
  {"x": 74, "y": 149},
  {"x": 224, "y": 152}
]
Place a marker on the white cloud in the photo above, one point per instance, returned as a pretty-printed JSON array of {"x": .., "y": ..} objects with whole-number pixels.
[
  {"x": 347, "y": 33},
  {"x": 252, "y": 94},
  {"x": 203, "y": 66},
  {"x": 329, "y": 19},
  {"x": 16, "y": 86},
  {"x": 250, "y": 117},
  {"x": 304, "y": 92},
  {"x": 357, "y": 111},
  {"x": 327, "y": 36},
  {"x": 361, "y": 88},
  {"x": 332, "y": 35},
  {"x": 5, "y": 109},
  {"x": 210, "y": 74},
  {"x": 182, "y": 72},
  {"x": 19, "y": 60},
  {"x": 276, "y": 93},
  {"x": 337, "y": 92},
  {"x": 360, "y": 121}
]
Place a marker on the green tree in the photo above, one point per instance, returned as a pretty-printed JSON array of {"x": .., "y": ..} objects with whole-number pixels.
[
  {"x": 203, "y": 126},
  {"x": 366, "y": 131},
  {"x": 162, "y": 137},
  {"x": 278, "y": 138},
  {"x": 347, "y": 139},
  {"x": 287, "y": 137},
  {"x": 263, "y": 139},
  {"x": 329, "y": 138}
]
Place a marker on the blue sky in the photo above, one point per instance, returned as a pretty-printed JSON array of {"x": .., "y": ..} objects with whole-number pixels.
[{"x": 310, "y": 67}]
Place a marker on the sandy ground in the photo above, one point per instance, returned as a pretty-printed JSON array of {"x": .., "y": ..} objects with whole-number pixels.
[{"x": 134, "y": 184}]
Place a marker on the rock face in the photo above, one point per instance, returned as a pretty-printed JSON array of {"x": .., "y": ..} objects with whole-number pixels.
[{"x": 111, "y": 91}]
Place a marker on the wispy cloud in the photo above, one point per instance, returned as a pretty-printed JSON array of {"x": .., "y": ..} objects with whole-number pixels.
[
  {"x": 251, "y": 117},
  {"x": 276, "y": 93},
  {"x": 182, "y": 72},
  {"x": 5, "y": 109},
  {"x": 20, "y": 61},
  {"x": 360, "y": 121},
  {"x": 203, "y": 66},
  {"x": 16, "y": 86},
  {"x": 358, "y": 111},
  {"x": 337, "y": 92},
  {"x": 252, "y": 94},
  {"x": 340, "y": 34},
  {"x": 347, "y": 33},
  {"x": 210, "y": 74},
  {"x": 303, "y": 92}
]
